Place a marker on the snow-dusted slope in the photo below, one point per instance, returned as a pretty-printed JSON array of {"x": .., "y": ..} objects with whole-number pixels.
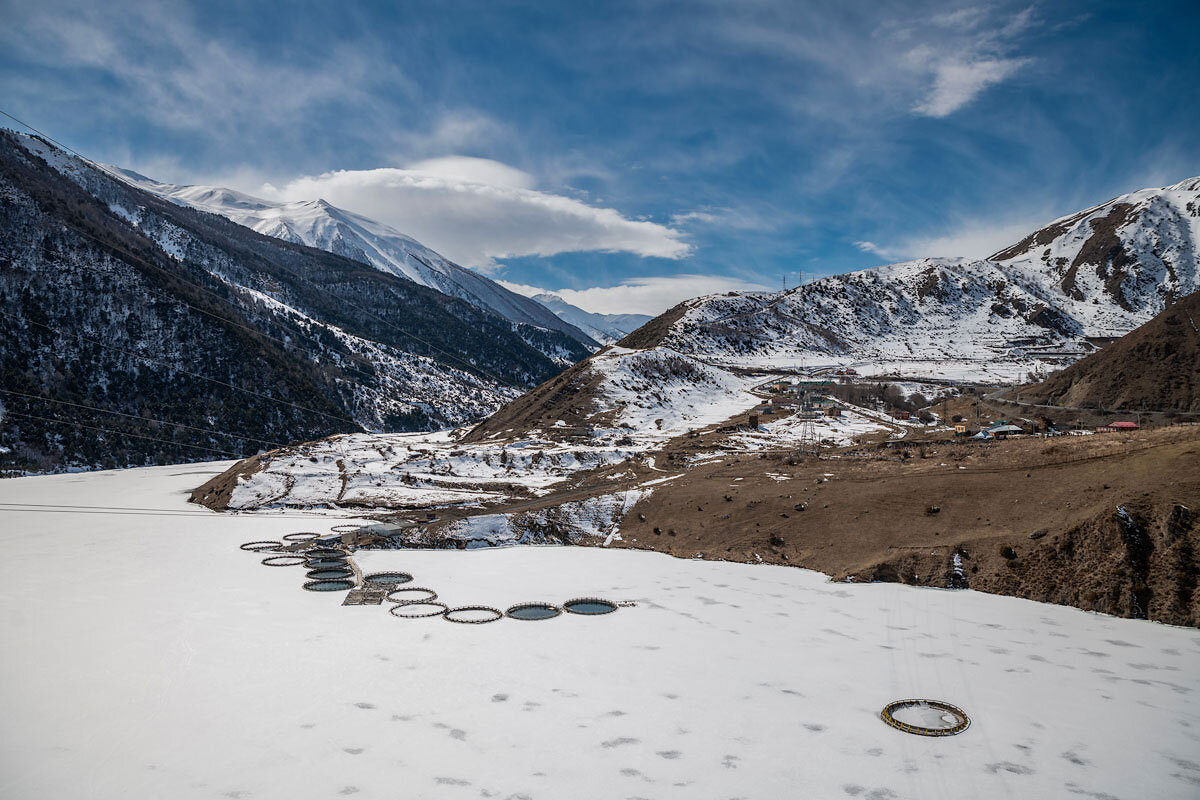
[
  {"x": 1099, "y": 273},
  {"x": 604, "y": 328},
  {"x": 316, "y": 223},
  {"x": 1042, "y": 303},
  {"x": 1136, "y": 251}
]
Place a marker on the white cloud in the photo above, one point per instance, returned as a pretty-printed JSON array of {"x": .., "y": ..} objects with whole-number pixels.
[
  {"x": 972, "y": 239},
  {"x": 728, "y": 218},
  {"x": 474, "y": 170},
  {"x": 958, "y": 82},
  {"x": 644, "y": 295},
  {"x": 871, "y": 247},
  {"x": 446, "y": 204}
]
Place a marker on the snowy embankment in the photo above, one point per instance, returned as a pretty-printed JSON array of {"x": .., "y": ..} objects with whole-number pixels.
[
  {"x": 649, "y": 398},
  {"x": 414, "y": 470},
  {"x": 574, "y": 521},
  {"x": 174, "y": 665},
  {"x": 658, "y": 394}
]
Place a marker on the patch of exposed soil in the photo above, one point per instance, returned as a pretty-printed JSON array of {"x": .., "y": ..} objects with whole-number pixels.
[
  {"x": 569, "y": 397},
  {"x": 653, "y": 332},
  {"x": 1104, "y": 251},
  {"x": 216, "y": 492},
  {"x": 903, "y": 520}
]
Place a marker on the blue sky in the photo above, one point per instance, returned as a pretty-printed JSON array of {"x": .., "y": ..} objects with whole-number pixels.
[{"x": 633, "y": 154}]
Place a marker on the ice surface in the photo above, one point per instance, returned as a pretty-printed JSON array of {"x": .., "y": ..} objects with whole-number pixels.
[{"x": 161, "y": 661}]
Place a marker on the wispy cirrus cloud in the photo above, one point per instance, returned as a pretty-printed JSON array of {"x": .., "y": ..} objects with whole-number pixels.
[
  {"x": 972, "y": 238},
  {"x": 958, "y": 81}
]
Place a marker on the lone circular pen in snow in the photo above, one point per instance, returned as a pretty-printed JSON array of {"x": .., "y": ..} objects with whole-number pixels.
[
  {"x": 925, "y": 717},
  {"x": 533, "y": 611},
  {"x": 303, "y": 536},
  {"x": 589, "y": 605}
]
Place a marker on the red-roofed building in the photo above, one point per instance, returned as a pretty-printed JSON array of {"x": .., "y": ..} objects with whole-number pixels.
[{"x": 1118, "y": 427}]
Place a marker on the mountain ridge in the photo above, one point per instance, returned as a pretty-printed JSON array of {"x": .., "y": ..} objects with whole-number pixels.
[
  {"x": 320, "y": 224},
  {"x": 118, "y": 300},
  {"x": 604, "y": 328}
]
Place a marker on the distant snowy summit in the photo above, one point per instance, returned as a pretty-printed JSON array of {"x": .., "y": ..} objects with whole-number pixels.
[
  {"x": 604, "y": 328},
  {"x": 316, "y": 223}
]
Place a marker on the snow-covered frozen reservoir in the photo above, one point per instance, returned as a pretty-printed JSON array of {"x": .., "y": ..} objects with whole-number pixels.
[{"x": 145, "y": 655}]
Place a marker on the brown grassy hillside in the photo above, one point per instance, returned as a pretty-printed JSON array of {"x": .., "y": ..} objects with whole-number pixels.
[{"x": 1156, "y": 367}]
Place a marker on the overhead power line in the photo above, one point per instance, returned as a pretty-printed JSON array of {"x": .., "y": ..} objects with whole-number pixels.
[
  {"x": 121, "y": 433},
  {"x": 176, "y": 368}
]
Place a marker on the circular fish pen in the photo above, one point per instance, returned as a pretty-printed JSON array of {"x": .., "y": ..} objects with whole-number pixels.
[
  {"x": 589, "y": 606},
  {"x": 327, "y": 563},
  {"x": 283, "y": 561},
  {"x": 925, "y": 717},
  {"x": 255, "y": 547},
  {"x": 325, "y": 552},
  {"x": 339, "y": 585},
  {"x": 418, "y": 609},
  {"x": 387, "y": 578},
  {"x": 533, "y": 611},
  {"x": 472, "y": 615},
  {"x": 411, "y": 594},
  {"x": 329, "y": 574},
  {"x": 344, "y": 528},
  {"x": 303, "y": 536}
]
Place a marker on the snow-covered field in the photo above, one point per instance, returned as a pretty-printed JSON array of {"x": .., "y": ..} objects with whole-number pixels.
[
  {"x": 400, "y": 470},
  {"x": 146, "y": 656}
]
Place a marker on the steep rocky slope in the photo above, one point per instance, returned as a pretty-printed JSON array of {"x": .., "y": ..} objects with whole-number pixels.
[
  {"x": 113, "y": 298},
  {"x": 1154, "y": 368}
]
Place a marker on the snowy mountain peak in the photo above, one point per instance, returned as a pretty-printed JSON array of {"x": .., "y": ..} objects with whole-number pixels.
[
  {"x": 1186, "y": 185},
  {"x": 317, "y": 223},
  {"x": 1138, "y": 250},
  {"x": 604, "y": 328}
]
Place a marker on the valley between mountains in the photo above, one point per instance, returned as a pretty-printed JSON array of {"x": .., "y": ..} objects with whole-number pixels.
[{"x": 816, "y": 427}]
